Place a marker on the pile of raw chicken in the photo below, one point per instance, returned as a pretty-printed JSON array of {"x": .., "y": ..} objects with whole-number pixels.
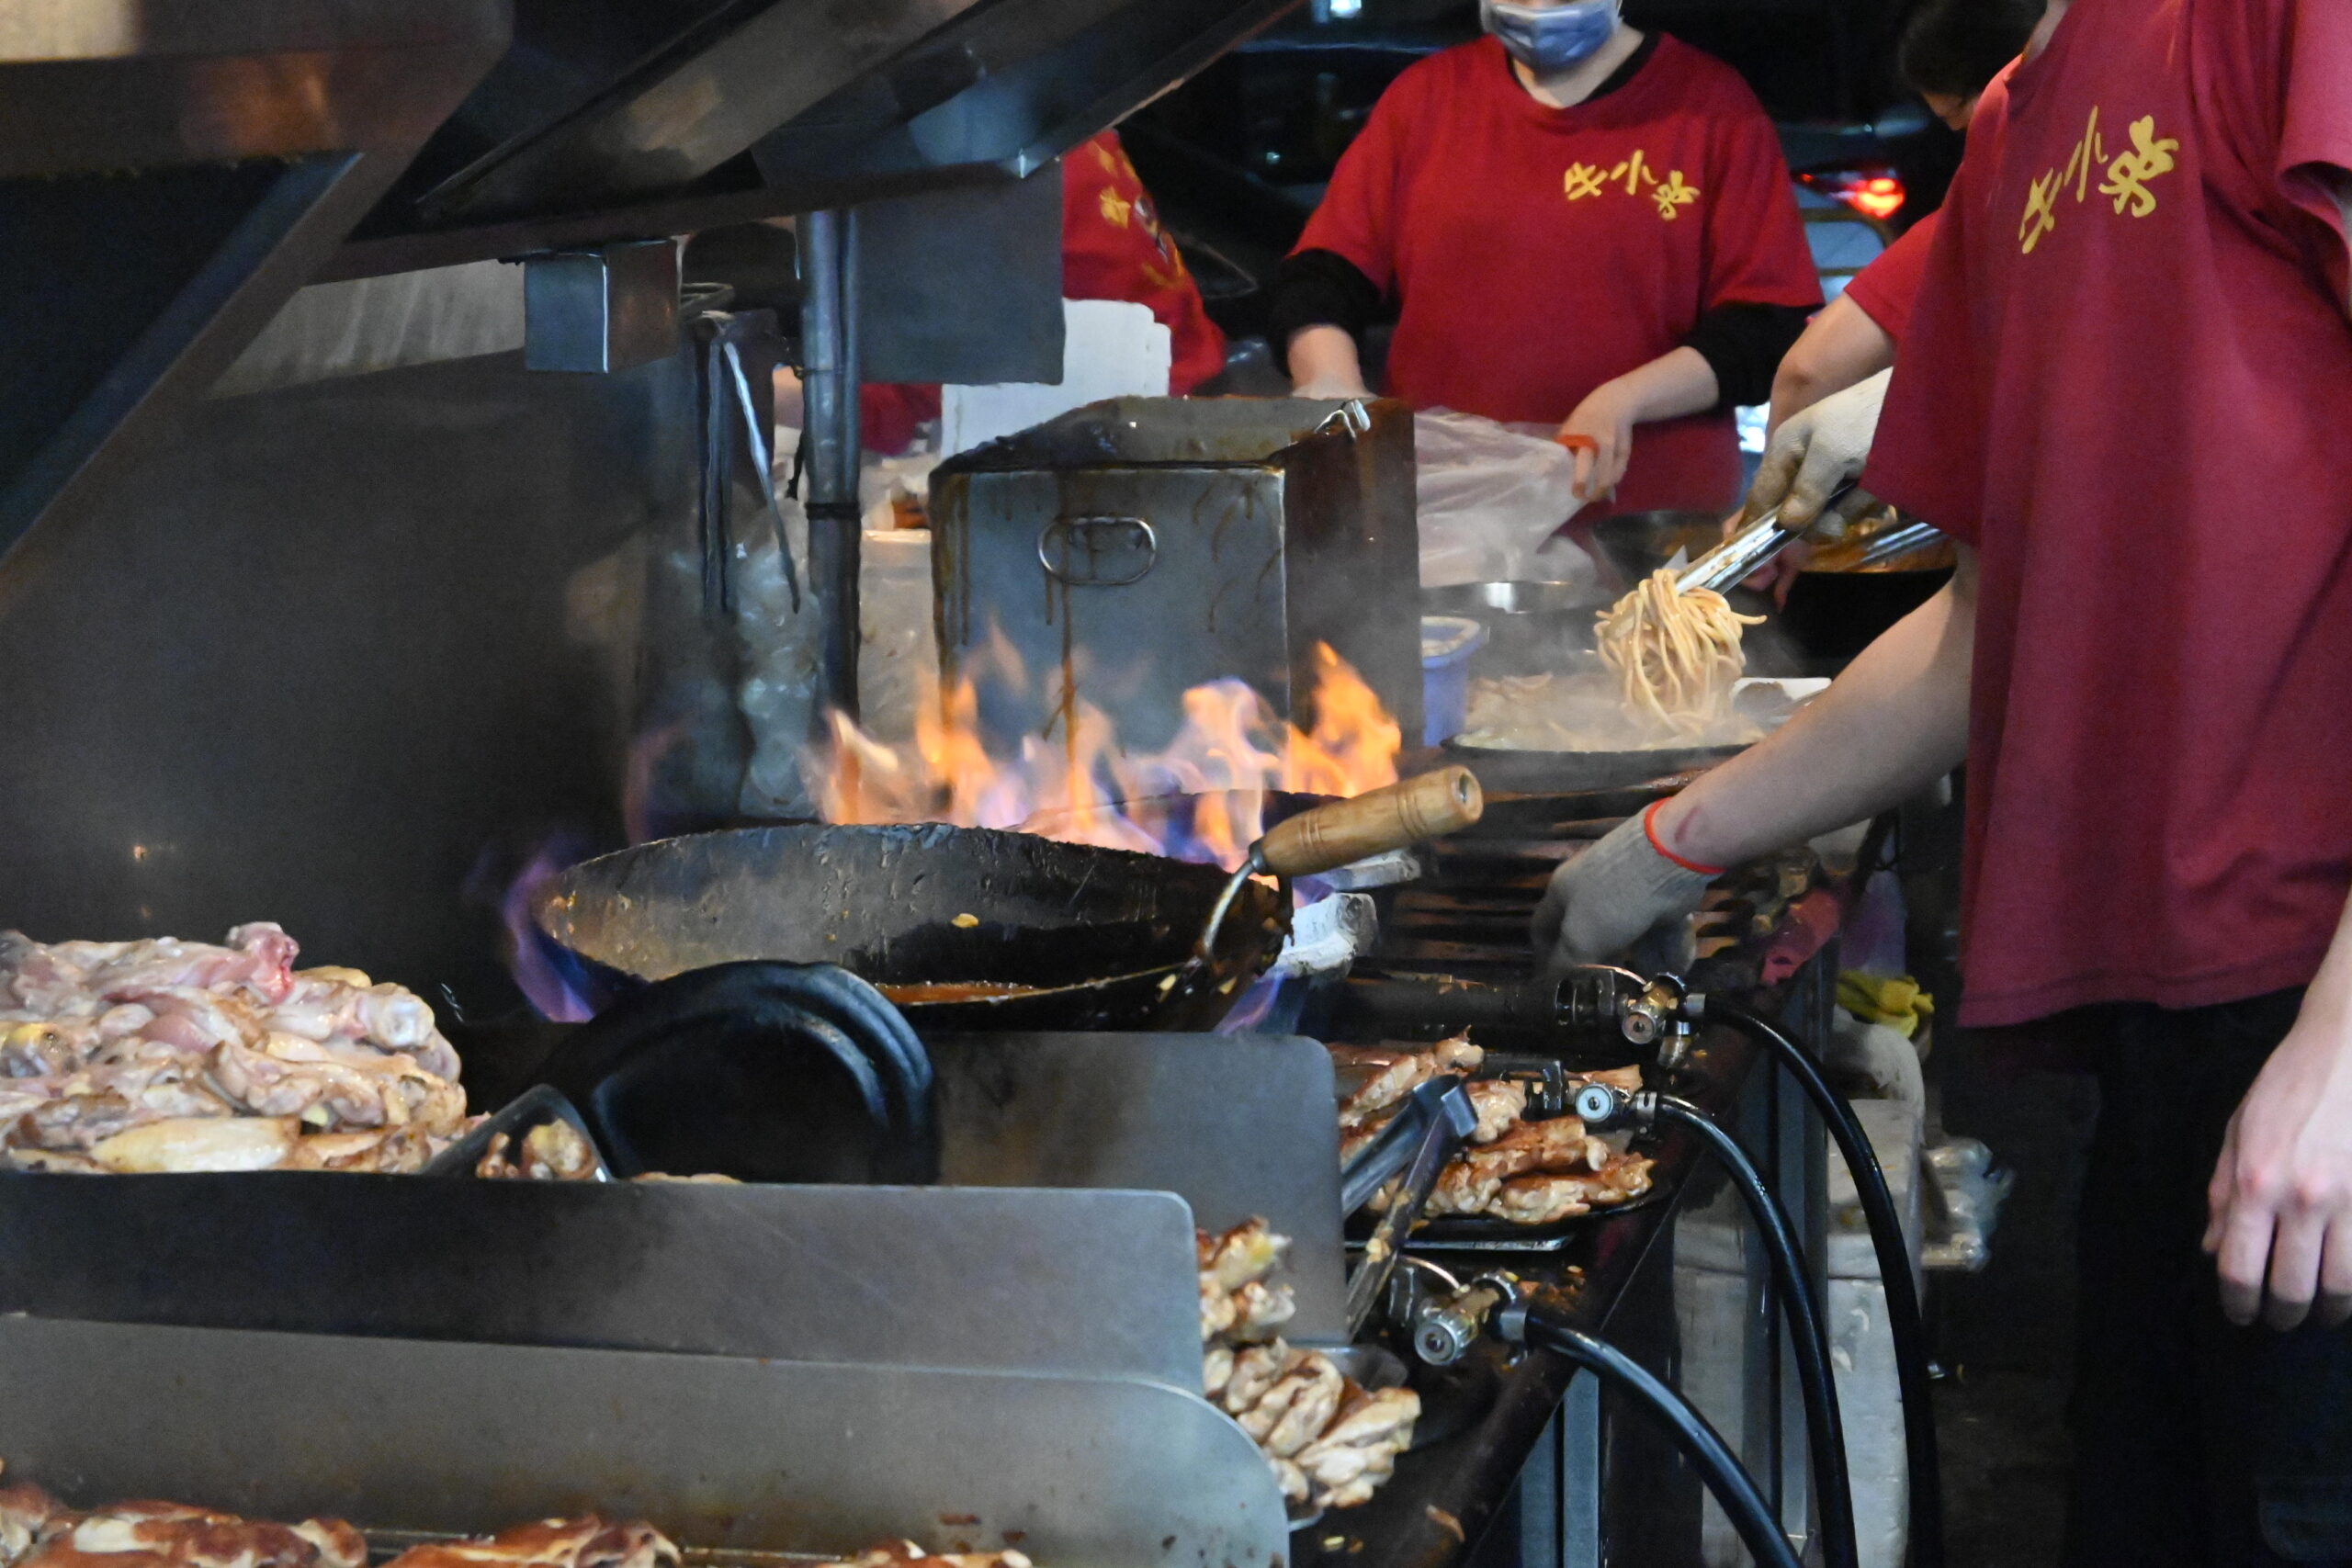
[
  {"x": 38, "y": 1531},
  {"x": 1527, "y": 1172},
  {"x": 170, "y": 1056},
  {"x": 1331, "y": 1440}
]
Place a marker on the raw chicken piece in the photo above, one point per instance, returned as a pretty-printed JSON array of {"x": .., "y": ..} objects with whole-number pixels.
[
  {"x": 101, "y": 1039},
  {"x": 1625, "y": 1081}
]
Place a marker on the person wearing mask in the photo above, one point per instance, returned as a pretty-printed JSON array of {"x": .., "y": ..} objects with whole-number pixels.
[
  {"x": 1950, "y": 49},
  {"x": 1578, "y": 225},
  {"x": 2125, "y": 389},
  {"x": 1112, "y": 248}
]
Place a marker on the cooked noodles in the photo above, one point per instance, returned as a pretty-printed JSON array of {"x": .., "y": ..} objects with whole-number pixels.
[{"x": 1675, "y": 655}]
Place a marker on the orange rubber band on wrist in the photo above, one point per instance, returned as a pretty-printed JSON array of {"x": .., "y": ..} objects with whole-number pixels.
[{"x": 1649, "y": 831}]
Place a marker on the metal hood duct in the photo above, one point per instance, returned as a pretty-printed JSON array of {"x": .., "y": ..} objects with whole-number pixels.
[
  {"x": 169, "y": 174},
  {"x": 606, "y": 123}
]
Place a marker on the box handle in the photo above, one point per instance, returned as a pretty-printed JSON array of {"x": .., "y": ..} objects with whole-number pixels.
[{"x": 1098, "y": 552}]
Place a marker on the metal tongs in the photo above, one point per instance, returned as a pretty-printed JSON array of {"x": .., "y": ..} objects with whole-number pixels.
[
  {"x": 1420, "y": 1141},
  {"x": 1730, "y": 562}
]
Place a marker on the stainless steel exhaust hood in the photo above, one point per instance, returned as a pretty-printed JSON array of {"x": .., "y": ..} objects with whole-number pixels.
[{"x": 170, "y": 174}]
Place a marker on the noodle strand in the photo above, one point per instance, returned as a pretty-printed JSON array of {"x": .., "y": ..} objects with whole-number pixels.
[{"x": 1675, "y": 655}]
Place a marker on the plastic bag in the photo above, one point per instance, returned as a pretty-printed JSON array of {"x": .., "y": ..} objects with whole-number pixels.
[{"x": 1490, "y": 497}]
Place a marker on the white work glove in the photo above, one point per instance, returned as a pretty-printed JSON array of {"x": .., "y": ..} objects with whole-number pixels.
[
  {"x": 1818, "y": 449},
  {"x": 1620, "y": 895}
]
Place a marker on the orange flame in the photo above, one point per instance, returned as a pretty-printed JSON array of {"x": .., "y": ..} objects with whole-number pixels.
[{"x": 1083, "y": 787}]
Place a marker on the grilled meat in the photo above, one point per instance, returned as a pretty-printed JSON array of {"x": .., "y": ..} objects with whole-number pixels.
[
  {"x": 1500, "y": 1105},
  {"x": 1541, "y": 1198},
  {"x": 552, "y": 1151},
  {"x": 587, "y": 1542},
  {"x": 901, "y": 1553},
  {"x": 1381, "y": 1079},
  {"x": 1237, "y": 1303},
  {"x": 1358, "y": 1450},
  {"x": 1297, "y": 1405},
  {"x": 168, "y": 1535}
]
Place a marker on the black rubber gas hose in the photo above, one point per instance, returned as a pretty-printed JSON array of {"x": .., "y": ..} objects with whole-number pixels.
[
  {"x": 1903, "y": 1317},
  {"x": 1825, "y": 1428},
  {"x": 1733, "y": 1488}
]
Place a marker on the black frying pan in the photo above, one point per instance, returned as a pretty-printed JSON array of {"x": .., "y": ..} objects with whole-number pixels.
[{"x": 970, "y": 928}]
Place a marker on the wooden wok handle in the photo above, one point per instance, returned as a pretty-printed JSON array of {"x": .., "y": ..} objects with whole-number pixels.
[{"x": 1329, "y": 836}]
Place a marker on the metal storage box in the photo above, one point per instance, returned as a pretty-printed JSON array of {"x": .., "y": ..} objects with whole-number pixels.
[{"x": 1133, "y": 548}]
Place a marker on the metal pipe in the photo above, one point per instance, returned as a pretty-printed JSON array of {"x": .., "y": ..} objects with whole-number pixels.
[{"x": 830, "y": 382}]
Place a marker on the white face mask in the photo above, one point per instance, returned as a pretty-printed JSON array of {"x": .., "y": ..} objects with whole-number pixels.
[{"x": 1549, "y": 38}]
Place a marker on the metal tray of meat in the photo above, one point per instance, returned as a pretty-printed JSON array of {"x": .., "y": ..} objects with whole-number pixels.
[
  {"x": 722, "y": 1454},
  {"x": 1464, "y": 1235}
]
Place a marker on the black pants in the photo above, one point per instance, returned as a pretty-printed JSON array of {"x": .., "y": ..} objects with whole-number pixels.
[{"x": 2195, "y": 1442}]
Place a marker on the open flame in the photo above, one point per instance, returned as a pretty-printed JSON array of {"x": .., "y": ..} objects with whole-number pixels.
[{"x": 1202, "y": 798}]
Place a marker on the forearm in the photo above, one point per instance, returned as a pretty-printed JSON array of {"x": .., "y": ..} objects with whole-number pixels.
[
  {"x": 1323, "y": 363},
  {"x": 1676, "y": 383},
  {"x": 1891, "y": 725},
  {"x": 1841, "y": 347}
]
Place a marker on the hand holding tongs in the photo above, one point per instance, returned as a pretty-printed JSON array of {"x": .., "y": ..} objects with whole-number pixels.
[{"x": 1732, "y": 562}]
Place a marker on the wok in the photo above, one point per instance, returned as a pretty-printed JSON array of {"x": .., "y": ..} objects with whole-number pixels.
[{"x": 972, "y": 929}]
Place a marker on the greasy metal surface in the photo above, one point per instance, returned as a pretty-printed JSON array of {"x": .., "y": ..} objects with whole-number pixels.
[
  {"x": 612, "y": 120},
  {"x": 1097, "y": 931},
  {"x": 1237, "y": 1125},
  {"x": 718, "y": 1451},
  {"x": 1093, "y": 1283},
  {"x": 117, "y": 87},
  {"x": 706, "y": 96},
  {"x": 391, "y": 631},
  {"x": 613, "y": 308},
  {"x": 1270, "y": 537}
]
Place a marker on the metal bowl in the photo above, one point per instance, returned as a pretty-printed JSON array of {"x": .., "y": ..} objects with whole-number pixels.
[
  {"x": 1529, "y": 626},
  {"x": 1484, "y": 600}
]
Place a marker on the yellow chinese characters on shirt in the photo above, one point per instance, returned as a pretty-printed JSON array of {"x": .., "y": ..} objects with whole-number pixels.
[
  {"x": 2128, "y": 173},
  {"x": 1633, "y": 176}
]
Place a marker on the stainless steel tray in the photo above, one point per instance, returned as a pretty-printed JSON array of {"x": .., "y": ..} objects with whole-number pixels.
[
  {"x": 724, "y": 1454},
  {"x": 1091, "y": 1282}
]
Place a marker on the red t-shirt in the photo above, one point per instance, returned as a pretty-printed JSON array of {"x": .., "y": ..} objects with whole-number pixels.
[
  {"x": 1112, "y": 248},
  {"x": 1536, "y": 253},
  {"x": 1886, "y": 288},
  {"x": 2127, "y": 382}
]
